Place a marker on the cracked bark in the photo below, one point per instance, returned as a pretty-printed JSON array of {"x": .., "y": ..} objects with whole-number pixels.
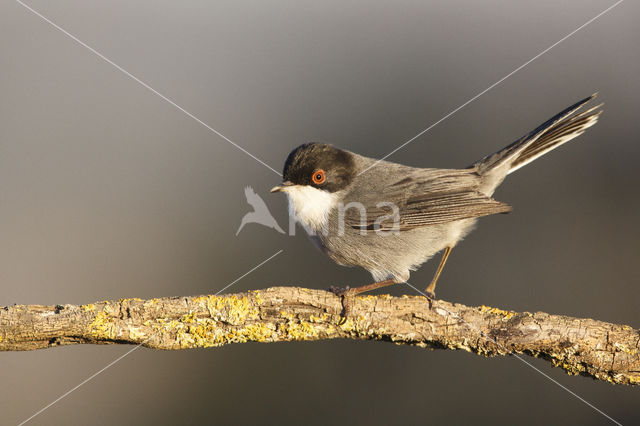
[{"x": 587, "y": 347}]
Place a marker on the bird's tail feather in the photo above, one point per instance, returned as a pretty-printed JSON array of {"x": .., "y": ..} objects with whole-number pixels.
[
  {"x": 556, "y": 131},
  {"x": 559, "y": 134}
]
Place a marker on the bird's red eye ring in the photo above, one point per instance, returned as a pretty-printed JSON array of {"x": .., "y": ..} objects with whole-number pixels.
[{"x": 318, "y": 177}]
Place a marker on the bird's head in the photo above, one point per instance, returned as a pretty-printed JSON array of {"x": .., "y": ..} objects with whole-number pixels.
[
  {"x": 318, "y": 166},
  {"x": 312, "y": 175}
]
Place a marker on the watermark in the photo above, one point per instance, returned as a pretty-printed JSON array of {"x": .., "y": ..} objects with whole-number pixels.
[
  {"x": 260, "y": 214},
  {"x": 330, "y": 218}
]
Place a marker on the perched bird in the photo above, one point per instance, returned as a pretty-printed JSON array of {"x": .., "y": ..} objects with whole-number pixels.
[
  {"x": 389, "y": 218},
  {"x": 260, "y": 213}
]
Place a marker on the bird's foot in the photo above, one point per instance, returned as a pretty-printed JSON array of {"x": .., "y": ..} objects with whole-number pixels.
[
  {"x": 431, "y": 296},
  {"x": 339, "y": 291},
  {"x": 343, "y": 294}
]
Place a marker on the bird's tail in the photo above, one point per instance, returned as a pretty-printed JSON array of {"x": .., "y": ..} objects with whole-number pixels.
[{"x": 554, "y": 132}]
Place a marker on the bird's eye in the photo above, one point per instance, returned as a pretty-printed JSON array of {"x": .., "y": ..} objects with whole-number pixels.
[{"x": 318, "y": 177}]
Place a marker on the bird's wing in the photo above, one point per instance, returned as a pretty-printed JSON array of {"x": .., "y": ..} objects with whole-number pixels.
[{"x": 422, "y": 199}]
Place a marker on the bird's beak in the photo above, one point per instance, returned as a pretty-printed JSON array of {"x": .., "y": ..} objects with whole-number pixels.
[{"x": 281, "y": 188}]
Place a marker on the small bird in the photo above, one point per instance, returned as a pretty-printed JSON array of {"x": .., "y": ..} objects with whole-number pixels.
[
  {"x": 260, "y": 213},
  {"x": 390, "y": 218}
]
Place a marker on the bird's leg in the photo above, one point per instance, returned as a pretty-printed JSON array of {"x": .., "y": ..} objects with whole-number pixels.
[
  {"x": 431, "y": 289},
  {"x": 346, "y": 293}
]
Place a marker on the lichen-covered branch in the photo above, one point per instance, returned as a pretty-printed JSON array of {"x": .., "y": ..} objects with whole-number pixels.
[{"x": 580, "y": 346}]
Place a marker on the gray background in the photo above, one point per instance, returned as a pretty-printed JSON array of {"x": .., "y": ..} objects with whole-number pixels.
[{"x": 107, "y": 191}]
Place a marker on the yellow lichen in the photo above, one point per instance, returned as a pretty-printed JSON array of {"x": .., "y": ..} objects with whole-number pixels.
[
  {"x": 192, "y": 331},
  {"x": 572, "y": 369},
  {"x": 204, "y": 332},
  {"x": 624, "y": 348},
  {"x": 257, "y": 296},
  {"x": 130, "y": 299},
  {"x": 151, "y": 302},
  {"x": 302, "y": 330},
  {"x": 348, "y": 325},
  {"x": 322, "y": 318},
  {"x": 299, "y": 329},
  {"x": 231, "y": 309},
  {"x": 368, "y": 297},
  {"x": 489, "y": 310},
  {"x": 88, "y": 307},
  {"x": 188, "y": 318},
  {"x": 1, "y": 338},
  {"x": 103, "y": 327},
  {"x": 135, "y": 334},
  {"x": 375, "y": 297},
  {"x": 286, "y": 315},
  {"x": 258, "y": 332}
]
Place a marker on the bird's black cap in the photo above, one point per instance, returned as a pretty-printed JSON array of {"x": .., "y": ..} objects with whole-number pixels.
[{"x": 337, "y": 165}]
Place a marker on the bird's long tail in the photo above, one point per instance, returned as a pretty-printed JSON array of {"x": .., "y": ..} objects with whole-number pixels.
[{"x": 556, "y": 131}]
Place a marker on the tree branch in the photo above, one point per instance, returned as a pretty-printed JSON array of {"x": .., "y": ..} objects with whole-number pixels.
[{"x": 579, "y": 346}]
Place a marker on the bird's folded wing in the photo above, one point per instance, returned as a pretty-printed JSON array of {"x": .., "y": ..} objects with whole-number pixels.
[{"x": 442, "y": 199}]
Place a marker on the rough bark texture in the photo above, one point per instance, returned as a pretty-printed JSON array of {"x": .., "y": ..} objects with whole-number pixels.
[{"x": 580, "y": 346}]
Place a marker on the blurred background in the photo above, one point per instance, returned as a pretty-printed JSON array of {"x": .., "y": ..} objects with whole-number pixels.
[{"x": 107, "y": 191}]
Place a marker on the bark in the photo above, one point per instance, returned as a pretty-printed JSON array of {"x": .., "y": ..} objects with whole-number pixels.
[{"x": 588, "y": 347}]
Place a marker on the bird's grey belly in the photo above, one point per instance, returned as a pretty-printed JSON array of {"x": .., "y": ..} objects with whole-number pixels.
[{"x": 391, "y": 255}]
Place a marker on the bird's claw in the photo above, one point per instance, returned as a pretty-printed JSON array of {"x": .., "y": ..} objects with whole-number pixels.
[
  {"x": 343, "y": 294},
  {"x": 339, "y": 291},
  {"x": 431, "y": 296}
]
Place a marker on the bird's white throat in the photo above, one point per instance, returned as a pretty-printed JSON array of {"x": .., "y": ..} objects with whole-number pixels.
[{"x": 310, "y": 206}]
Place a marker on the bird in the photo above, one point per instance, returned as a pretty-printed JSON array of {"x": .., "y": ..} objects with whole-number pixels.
[
  {"x": 390, "y": 218},
  {"x": 260, "y": 213}
]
